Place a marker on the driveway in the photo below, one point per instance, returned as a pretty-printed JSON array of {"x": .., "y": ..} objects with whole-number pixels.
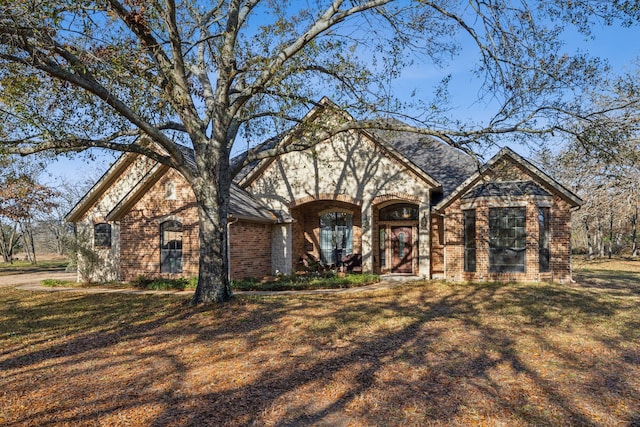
[{"x": 34, "y": 278}]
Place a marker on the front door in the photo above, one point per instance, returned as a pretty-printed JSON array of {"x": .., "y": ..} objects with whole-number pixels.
[{"x": 401, "y": 250}]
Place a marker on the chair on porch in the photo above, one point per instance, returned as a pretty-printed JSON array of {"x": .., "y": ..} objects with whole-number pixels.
[{"x": 352, "y": 263}]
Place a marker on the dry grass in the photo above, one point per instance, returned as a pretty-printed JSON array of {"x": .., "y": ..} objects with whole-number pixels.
[{"x": 423, "y": 354}]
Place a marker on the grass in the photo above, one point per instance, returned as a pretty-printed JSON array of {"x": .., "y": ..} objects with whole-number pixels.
[
  {"x": 429, "y": 353},
  {"x": 55, "y": 283}
]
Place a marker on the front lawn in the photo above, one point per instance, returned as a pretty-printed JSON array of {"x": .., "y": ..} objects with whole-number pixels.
[{"x": 421, "y": 354}]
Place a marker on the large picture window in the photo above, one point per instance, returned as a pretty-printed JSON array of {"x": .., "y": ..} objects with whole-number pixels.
[
  {"x": 336, "y": 236},
  {"x": 507, "y": 239},
  {"x": 470, "y": 241},
  {"x": 171, "y": 247},
  {"x": 102, "y": 235},
  {"x": 544, "y": 253}
]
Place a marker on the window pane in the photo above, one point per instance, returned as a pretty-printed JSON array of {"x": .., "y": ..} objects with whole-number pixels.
[
  {"x": 383, "y": 245},
  {"x": 544, "y": 240},
  {"x": 171, "y": 247},
  {"x": 102, "y": 235},
  {"x": 401, "y": 211},
  {"x": 507, "y": 239},
  {"x": 336, "y": 236},
  {"x": 470, "y": 240}
]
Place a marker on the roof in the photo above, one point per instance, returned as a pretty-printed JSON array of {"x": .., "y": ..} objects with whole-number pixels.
[
  {"x": 446, "y": 164},
  {"x": 241, "y": 204},
  {"x": 506, "y": 189},
  {"x": 508, "y": 153},
  {"x": 436, "y": 162}
]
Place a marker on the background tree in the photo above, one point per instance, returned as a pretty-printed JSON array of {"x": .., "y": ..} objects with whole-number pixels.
[
  {"x": 214, "y": 75},
  {"x": 602, "y": 165},
  {"x": 22, "y": 198}
]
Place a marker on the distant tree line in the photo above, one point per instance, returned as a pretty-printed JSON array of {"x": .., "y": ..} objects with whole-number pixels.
[
  {"x": 608, "y": 181},
  {"x": 32, "y": 213}
]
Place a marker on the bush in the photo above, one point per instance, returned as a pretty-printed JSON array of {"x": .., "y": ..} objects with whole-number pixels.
[
  {"x": 307, "y": 281},
  {"x": 161, "y": 284}
]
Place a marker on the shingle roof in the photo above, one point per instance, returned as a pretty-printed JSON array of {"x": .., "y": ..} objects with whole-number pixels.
[
  {"x": 446, "y": 164},
  {"x": 506, "y": 189}
]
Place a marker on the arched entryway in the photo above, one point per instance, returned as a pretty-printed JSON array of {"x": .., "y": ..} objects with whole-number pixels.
[
  {"x": 396, "y": 238},
  {"x": 327, "y": 230}
]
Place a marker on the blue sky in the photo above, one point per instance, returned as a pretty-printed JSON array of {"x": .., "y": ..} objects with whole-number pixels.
[{"x": 620, "y": 46}]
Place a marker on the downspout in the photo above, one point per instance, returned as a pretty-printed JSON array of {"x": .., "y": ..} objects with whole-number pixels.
[{"x": 229, "y": 223}]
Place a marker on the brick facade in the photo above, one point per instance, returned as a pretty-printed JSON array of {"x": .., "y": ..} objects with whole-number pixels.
[
  {"x": 140, "y": 235},
  {"x": 306, "y": 227},
  {"x": 560, "y": 232}
]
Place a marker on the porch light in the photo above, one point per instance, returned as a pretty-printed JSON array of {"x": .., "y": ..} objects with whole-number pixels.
[{"x": 424, "y": 222}]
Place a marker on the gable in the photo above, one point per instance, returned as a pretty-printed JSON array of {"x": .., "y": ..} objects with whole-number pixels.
[
  {"x": 111, "y": 188},
  {"x": 350, "y": 165},
  {"x": 509, "y": 175},
  {"x": 134, "y": 176}
]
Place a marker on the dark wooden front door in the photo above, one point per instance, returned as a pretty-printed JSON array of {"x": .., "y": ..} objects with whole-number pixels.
[{"x": 401, "y": 250}]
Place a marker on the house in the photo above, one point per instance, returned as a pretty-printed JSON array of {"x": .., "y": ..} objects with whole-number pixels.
[{"x": 398, "y": 201}]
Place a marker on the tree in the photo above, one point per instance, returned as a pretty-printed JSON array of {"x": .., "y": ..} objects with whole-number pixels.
[
  {"x": 101, "y": 74},
  {"x": 21, "y": 199}
]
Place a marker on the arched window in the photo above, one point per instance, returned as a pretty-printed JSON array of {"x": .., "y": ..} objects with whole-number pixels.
[
  {"x": 171, "y": 247},
  {"x": 399, "y": 212},
  {"x": 102, "y": 235},
  {"x": 336, "y": 236}
]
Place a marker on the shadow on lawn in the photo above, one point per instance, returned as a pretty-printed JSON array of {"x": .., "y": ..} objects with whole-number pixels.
[{"x": 434, "y": 352}]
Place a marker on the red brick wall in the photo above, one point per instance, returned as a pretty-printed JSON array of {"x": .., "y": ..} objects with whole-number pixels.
[
  {"x": 140, "y": 236},
  {"x": 437, "y": 245},
  {"x": 560, "y": 232},
  {"x": 250, "y": 250},
  {"x": 306, "y": 228}
]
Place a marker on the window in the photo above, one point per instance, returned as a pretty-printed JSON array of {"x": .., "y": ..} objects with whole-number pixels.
[
  {"x": 102, "y": 235},
  {"x": 336, "y": 236},
  {"x": 399, "y": 212},
  {"x": 470, "y": 241},
  {"x": 544, "y": 253},
  {"x": 171, "y": 247},
  {"x": 507, "y": 239}
]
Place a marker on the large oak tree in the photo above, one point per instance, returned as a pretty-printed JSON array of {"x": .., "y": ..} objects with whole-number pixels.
[{"x": 78, "y": 74}]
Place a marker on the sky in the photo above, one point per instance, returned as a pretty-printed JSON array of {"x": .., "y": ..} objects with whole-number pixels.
[{"x": 617, "y": 44}]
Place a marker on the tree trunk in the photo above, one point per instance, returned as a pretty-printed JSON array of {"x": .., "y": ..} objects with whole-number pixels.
[
  {"x": 589, "y": 244},
  {"x": 212, "y": 194},
  {"x": 213, "y": 280},
  {"x": 600, "y": 239},
  {"x": 610, "y": 252},
  {"x": 634, "y": 233}
]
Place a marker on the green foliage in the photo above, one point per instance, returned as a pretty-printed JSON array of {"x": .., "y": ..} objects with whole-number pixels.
[
  {"x": 298, "y": 282},
  {"x": 162, "y": 284},
  {"x": 57, "y": 283}
]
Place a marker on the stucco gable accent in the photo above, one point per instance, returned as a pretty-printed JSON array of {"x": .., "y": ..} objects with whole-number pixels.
[
  {"x": 100, "y": 187},
  {"x": 136, "y": 193},
  {"x": 247, "y": 178},
  {"x": 509, "y": 155}
]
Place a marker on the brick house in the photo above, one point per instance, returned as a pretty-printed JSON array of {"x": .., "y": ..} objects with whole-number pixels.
[{"x": 398, "y": 202}]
